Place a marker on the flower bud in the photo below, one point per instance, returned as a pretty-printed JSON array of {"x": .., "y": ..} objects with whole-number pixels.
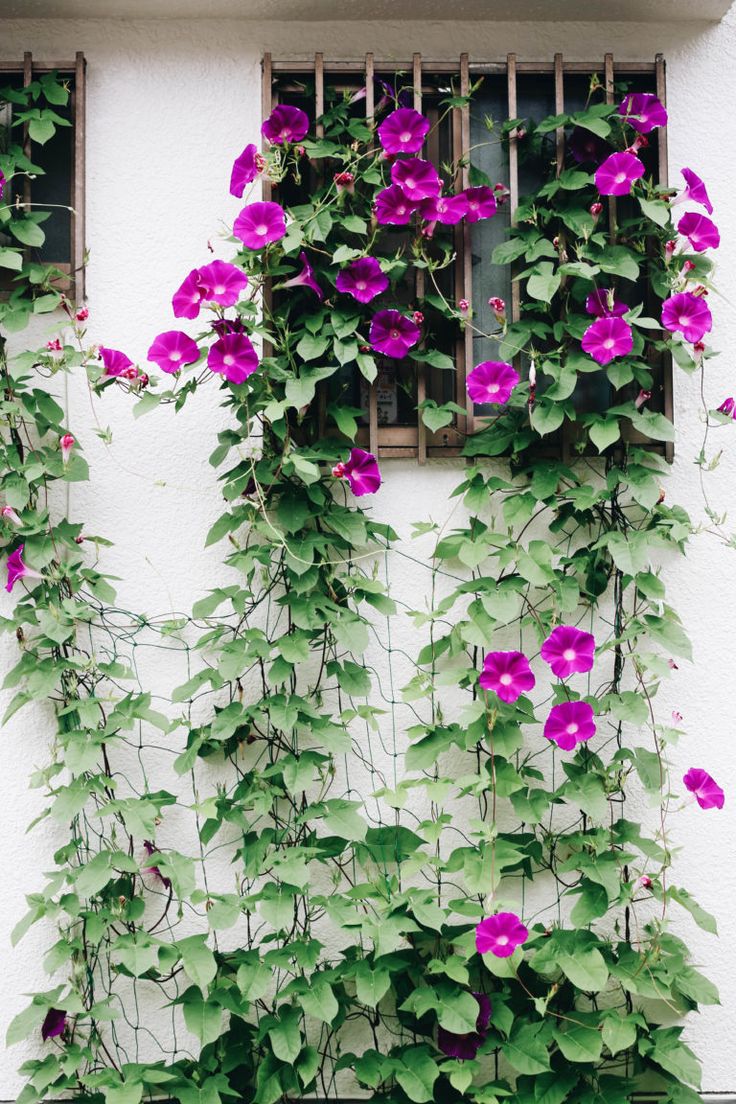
[{"x": 418, "y": 317}]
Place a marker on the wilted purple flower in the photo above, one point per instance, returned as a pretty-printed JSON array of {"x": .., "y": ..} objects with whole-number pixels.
[
  {"x": 728, "y": 406},
  {"x": 584, "y": 146},
  {"x": 607, "y": 338},
  {"x": 187, "y": 298},
  {"x": 221, "y": 282},
  {"x": 491, "y": 381},
  {"x": 363, "y": 279},
  {"x": 617, "y": 173},
  {"x": 393, "y": 206},
  {"x": 417, "y": 179},
  {"x": 115, "y": 362},
  {"x": 500, "y": 934},
  {"x": 403, "y": 131},
  {"x": 393, "y": 334},
  {"x": 643, "y": 397},
  {"x": 467, "y": 1045},
  {"x": 708, "y": 793},
  {"x": 481, "y": 203},
  {"x": 569, "y": 723},
  {"x": 19, "y": 570},
  {"x": 361, "y": 472},
  {"x": 643, "y": 111},
  {"x": 172, "y": 350},
  {"x": 687, "y": 313},
  {"x": 602, "y": 302},
  {"x": 568, "y": 651},
  {"x": 695, "y": 190},
  {"x": 507, "y": 674},
  {"x": 448, "y": 210},
  {"x": 53, "y": 1024},
  {"x": 285, "y": 124},
  {"x": 305, "y": 278},
  {"x": 699, "y": 231},
  {"x": 150, "y": 849},
  {"x": 259, "y": 224},
  {"x": 233, "y": 357},
  {"x": 245, "y": 170},
  {"x": 222, "y": 326}
]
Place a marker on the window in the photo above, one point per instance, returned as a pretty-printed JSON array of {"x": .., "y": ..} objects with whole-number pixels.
[
  {"x": 502, "y": 90},
  {"x": 59, "y": 188}
]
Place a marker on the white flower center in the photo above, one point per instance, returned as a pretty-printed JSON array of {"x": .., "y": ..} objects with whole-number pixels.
[
  {"x": 505, "y": 680},
  {"x": 405, "y": 136},
  {"x": 569, "y": 654},
  {"x": 220, "y": 289},
  {"x": 493, "y": 388},
  {"x": 394, "y": 334},
  {"x": 261, "y": 230},
  {"x": 571, "y": 729},
  {"x": 228, "y": 359},
  {"x": 683, "y": 320},
  {"x": 620, "y": 177},
  {"x": 608, "y": 343},
  {"x": 502, "y": 940},
  {"x": 175, "y": 355},
  {"x": 361, "y": 285}
]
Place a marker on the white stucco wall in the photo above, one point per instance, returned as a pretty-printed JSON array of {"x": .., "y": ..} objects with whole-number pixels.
[{"x": 169, "y": 106}]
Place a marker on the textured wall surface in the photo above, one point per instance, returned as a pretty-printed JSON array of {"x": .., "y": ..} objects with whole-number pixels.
[{"x": 169, "y": 106}]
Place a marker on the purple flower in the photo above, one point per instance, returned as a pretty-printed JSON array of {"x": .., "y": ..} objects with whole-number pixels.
[
  {"x": 150, "y": 849},
  {"x": 172, "y": 350},
  {"x": 481, "y": 203},
  {"x": 187, "y": 298},
  {"x": 687, "y": 313},
  {"x": 417, "y": 179},
  {"x": 245, "y": 170},
  {"x": 569, "y": 723},
  {"x": 53, "y": 1024},
  {"x": 394, "y": 207},
  {"x": 508, "y": 674},
  {"x": 221, "y": 282},
  {"x": 18, "y": 570},
  {"x": 3, "y": 181},
  {"x": 500, "y": 934},
  {"x": 403, "y": 131},
  {"x": 448, "y": 210},
  {"x": 233, "y": 357},
  {"x": 491, "y": 381},
  {"x": 568, "y": 651},
  {"x": 392, "y": 334},
  {"x": 361, "y": 472},
  {"x": 607, "y": 338},
  {"x": 602, "y": 302},
  {"x": 617, "y": 173},
  {"x": 695, "y": 190},
  {"x": 699, "y": 231},
  {"x": 305, "y": 278},
  {"x": 363, "y": 279},
  {"x": 467, "y": 1045},
  {"x": 586, "y": 146},
  {"x": 708, "y": 793},
  {"x": 115, "y": 362},
  {"x": 258, "y": 224},
  {"x": 285, "y": 124},
  {"x": 642, "y": 111},
  {"x": 728, "y": 406}
]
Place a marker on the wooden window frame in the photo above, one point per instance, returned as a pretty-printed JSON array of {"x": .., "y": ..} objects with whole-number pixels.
[
  {"x": 417, "y": 441},
  {"x": 29, "y": 69}
]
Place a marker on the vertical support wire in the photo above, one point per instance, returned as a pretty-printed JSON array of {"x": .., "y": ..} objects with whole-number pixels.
[
  {"x": 559, "y": 165},
  {"x": 464, "y": 246},
  {"x": 419, "y": 289},
  {"x": 608, "y": 77},
  {"x": 663, "y": 174},
  {"x": 373, "y": 389},
  {"x": 266, "y": 187},
  {"x": 27, "y": 79},
  {"x": 78, "y": 178}
]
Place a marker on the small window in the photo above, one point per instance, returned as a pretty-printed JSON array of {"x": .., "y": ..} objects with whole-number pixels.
[
  {"x": 502, "y": 91},
  {"x": 58, "y": 188}
]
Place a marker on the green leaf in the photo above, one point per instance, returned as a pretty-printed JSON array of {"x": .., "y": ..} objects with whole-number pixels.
[
  {"x": 202, "y": 1017},
  {"x": 656, "y": 210},
  {"x": 458, "y": 1013},
  {"x": 198, "y": 960},
  {"x": 579, "y": 1042},
  {"x": 543, "y": 283},
  {"x": 10, "y": 258},
  {"x": 370, "y": 984},
  {"x": 604, "y": 433},
  {"x": 526, "y": 1051},
  {"x": 417, "y": 1073},
  {"x": 342, "y": 819},
  {"x": 320, "y": 1001},
  {"x": 40, "y": 130},
  {"x": 546, "y": 416},
  {"x": 585, "y": 968},
  {"x": 619, "y": 1032},
  {"x": 285, "y": 1036}
]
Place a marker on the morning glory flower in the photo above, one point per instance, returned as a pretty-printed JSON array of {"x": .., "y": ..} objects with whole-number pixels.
[
  {"x": 3, "y": 181},
  {"x": 53, "y": 1024},
  {"x": 245, "y": 170},
  {"x": 115, "y": 362},
  {"x": 187, "y": 298},
  {"x": 150, "y": 849},
  {"x": 361, "y": 472},
  {"x": 364, "y": 279},
  {"x": 17, "y": 569},
  {"x": 172, "y": 350},
  {"x": 467, "y": 1045},
  {"x": 221, "y": 282},
  {"x": 500, "y": 934},
  {"x": 285, "y": 124},
  {"x": 728, "y": 406},
  {"x": 393, "y": 207},
  {"x": 481, "y": 203},
  {"x": 602, "y": 302},
  {"x": 491, "y": 381},
  {"x": 507, "y": 674},
  {"x": 699, "y": 231},
  {"x": 305, "y": 278},
  {"x": 393, "y": 334},
  {"x": 708, "y": 793},
  {"x": 584, "y": 146},
  {"x": 66, "y": 444},
  {"x": 607, "y": 338},
  {"x": 695, "y": 191},
  {"x": 643, "y": 111},
  {"x": 259, "y": 224},
  {"x": 403, "y": 131},
  {"x": 233, "y": 357},
  {"x": 448, "y": 210},
  {"x": 687, "y": 314},
  {"x": 569, "y": 724},
  {"x": 617, "y": 173},
  {"x": 417, "y": 179},
  {"x": 568, "y": 651}
]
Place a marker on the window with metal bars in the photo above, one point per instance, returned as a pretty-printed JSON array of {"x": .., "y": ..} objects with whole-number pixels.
[
  {"x": 505, "y": 90},
  {"x": 59, "y": 187}
]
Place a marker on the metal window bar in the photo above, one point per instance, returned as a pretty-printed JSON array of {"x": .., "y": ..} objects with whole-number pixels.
[{"x": 418, "y": 441}]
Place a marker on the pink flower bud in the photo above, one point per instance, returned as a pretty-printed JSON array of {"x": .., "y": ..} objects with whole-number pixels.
[
  {"x": 418, "y": 317},
  {"x": 641, "y": 398},
  {"x": 669, "y": 250},
  {"x": 82, "y": 314},
  {"x": 676, "y": 717},
  {"x": 143, "y": 380},
  {"x": 54, "y": 345},
  {"x": 498, "y": 307},
  {"x": 345, "y": 182},
  {"x": 502, "y": 193},
  {"x": 339, "y": 471},
  {"x": 645, "y": 881},
  {"x": 260, "y": 162},
  {"x": 66, "y": 444},
  {"x": 688, "y": 266},
  {"x": 463, "y": 305},
  {"x": 596, "y": 209},
  {"x": 10, "y": 515}
]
